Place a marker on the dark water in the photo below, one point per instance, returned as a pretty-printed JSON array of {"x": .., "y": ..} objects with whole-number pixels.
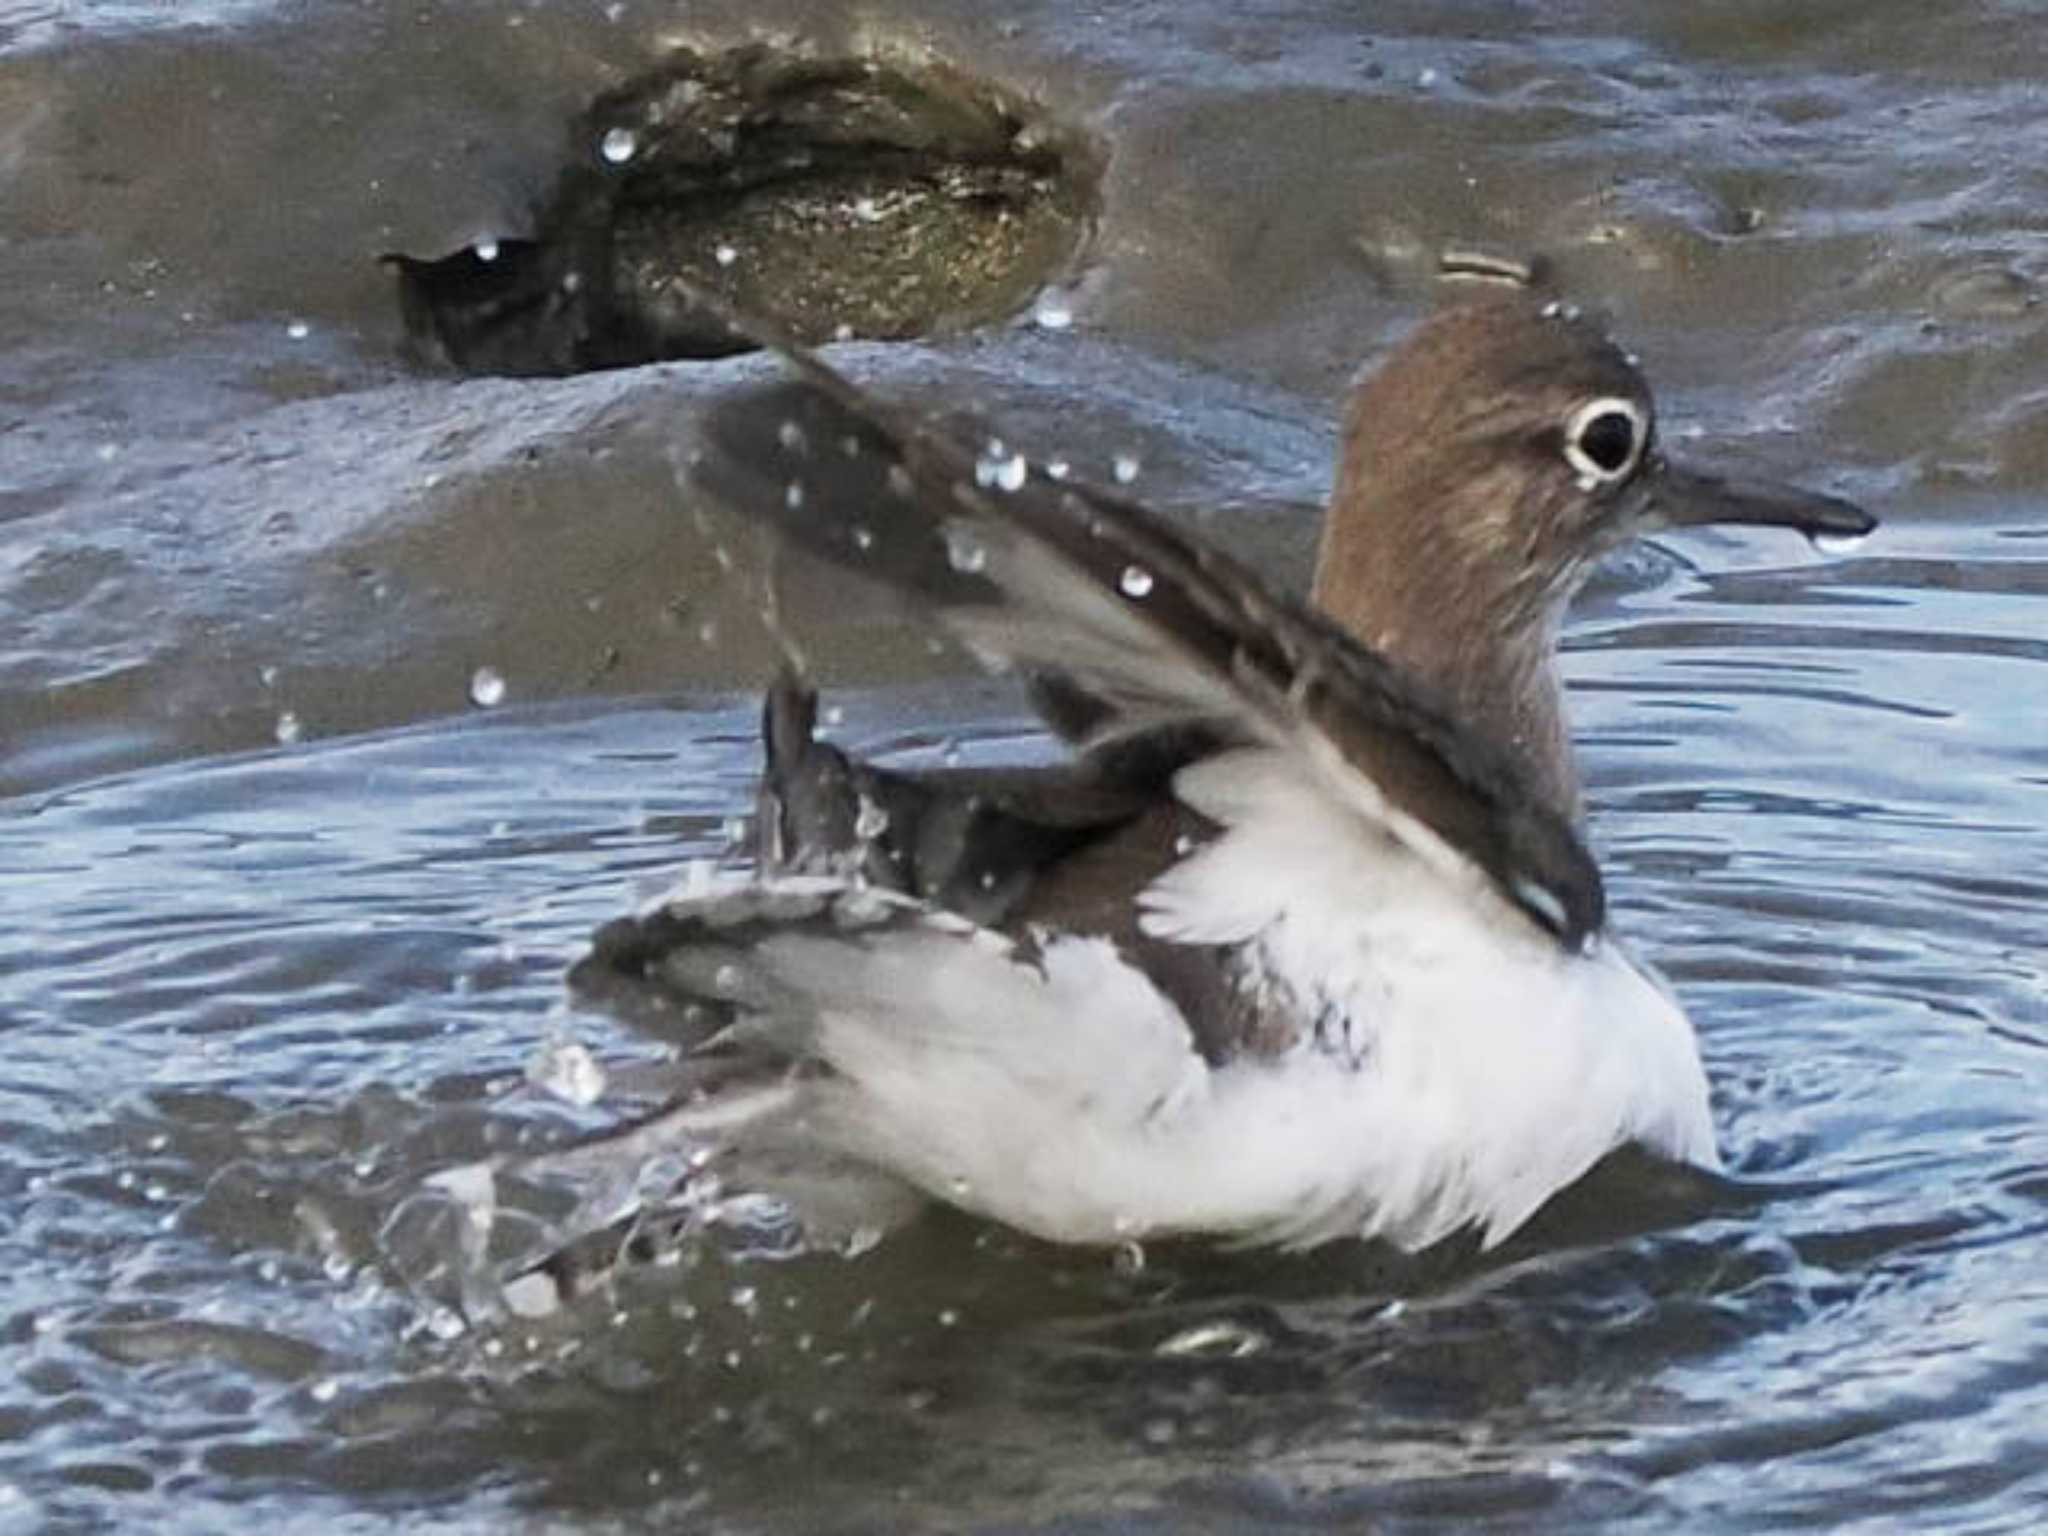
[{"x": 251, "y": 992}]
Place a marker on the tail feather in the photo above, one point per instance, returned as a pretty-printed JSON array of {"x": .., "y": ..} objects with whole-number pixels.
[{"x": 971, "y": 842}]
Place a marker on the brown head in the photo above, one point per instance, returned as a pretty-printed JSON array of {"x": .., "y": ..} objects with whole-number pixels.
[{"x": 1488, "y": 465}]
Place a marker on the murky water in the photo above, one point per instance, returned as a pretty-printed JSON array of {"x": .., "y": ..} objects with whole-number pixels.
[{"x": 253, "y": 989}]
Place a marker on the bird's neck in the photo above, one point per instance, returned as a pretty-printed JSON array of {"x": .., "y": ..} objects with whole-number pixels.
[{"x": 1457, "y": 611}]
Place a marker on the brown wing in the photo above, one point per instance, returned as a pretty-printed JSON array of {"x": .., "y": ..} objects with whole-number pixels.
[{"x": 1140, "y": 632}]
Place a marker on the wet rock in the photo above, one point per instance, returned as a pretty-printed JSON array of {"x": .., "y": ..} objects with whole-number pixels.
[{"x": 846, "y": 197}]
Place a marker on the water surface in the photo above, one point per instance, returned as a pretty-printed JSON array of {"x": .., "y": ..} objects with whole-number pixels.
[{"x": 284, "y": 911}]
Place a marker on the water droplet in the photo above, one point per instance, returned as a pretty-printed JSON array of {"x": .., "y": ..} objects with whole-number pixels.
[
  {"x": 964, "y": 551},
  {"x": 745, "y": 1297},
  {"x": 298, "y": 330},
  {"x": 486, "y": 687},
  {"x": 791, "y": 435},
  {"x": 1053, "y": 311},
  {"x": 1125, "y": 467},
  {"x": 1426, "y": 78},
  {"x": 1838, "y": 542},
  {"x": 267, "y": 677},
  {"x": 486, "y": 249},
  {"x": 999, "y": 468},
  {"x": 289, "y": 729},
  {"x": 1136, "y": 581},
  {"x": 735, "y": 830},
  {"x": 618, "y": 145},
  {"x": 445, "y": 1323},
  {"x": 532, "y": 1295},
  {"x": 1129, "y": 1258},
  {"x": 1218, "y": 1340},
  {"x": 948, "y": 1318},
  {"x": 872, "y": 821},
  {"x": 726, "y": 980},
  {"x": 325, "y": 1390},
  {"x": 1058, "y": 469},
  {"x": 725, "y": 255},
  {"x": 863, "y": 536},
  {"x": 793, "y": 495},
  {"x": 949, "y": 752},
  {"x": 566, "y": 1069}
]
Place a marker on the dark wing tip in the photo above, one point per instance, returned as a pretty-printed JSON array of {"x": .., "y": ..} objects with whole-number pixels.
[
  {"x": 1559, "y": 884},
  {"x": 834, "y": 480}
]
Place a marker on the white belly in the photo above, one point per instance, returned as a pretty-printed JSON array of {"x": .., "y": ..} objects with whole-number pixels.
[{"x": 1466, "y": 1067}]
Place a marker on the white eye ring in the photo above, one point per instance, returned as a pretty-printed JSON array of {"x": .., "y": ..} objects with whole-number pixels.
[{"x": 1600, "y": 451}]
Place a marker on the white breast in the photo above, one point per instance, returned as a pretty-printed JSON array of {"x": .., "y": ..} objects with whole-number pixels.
[{"x": 1468, "y": 1067}]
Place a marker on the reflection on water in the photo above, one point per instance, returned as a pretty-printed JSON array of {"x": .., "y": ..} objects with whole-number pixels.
[{"x": 263, "y": 972}]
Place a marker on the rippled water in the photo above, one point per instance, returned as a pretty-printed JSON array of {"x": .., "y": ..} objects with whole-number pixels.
[{"x": 251, "y": 993}]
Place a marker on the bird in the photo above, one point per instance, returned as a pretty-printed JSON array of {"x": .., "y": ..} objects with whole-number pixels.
[{"x": 1303, "y": 942}]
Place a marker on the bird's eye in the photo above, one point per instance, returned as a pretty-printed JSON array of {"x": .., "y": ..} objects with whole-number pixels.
[{"x": 1604, "y": 440}]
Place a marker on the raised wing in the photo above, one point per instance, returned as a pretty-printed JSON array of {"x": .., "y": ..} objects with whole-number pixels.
[{"x": 1133, "y": 630}]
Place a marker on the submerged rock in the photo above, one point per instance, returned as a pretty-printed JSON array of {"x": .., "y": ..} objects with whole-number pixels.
[{"x": 845, "y": 197}]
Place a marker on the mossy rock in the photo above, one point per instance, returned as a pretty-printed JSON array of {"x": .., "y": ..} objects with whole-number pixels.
[{"x": 842, "y": 197}]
